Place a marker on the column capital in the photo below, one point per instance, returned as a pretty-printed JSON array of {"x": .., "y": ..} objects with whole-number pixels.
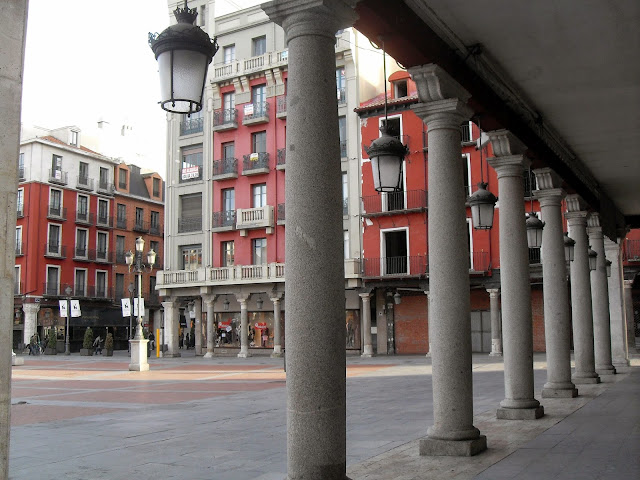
[
  {"x": 505, "y": 144},
  {"x": 575, "y": 219},
  {"x": 169, "y": 304},
  {"x": 446, "y": 113},
  {"x": 366, "y": 295},
  {"x": 593, "y": 220},
  {"x": 31, "y": 307},
  {"x": 209, "y": 300},
  {"x": 611, "y": 247},
  {"x": 275, "y": 300},
  {"x": 575, "y": 203},
  {"x": 551, "y": 197},
  {"x": 547, "y": 178},
  {"x": 509, "y": 166},
  {"x": 493, "y": 292},
  {"x": 628, "y": 284},
  {"x": 311, "y": 17},
  {"x": 435, "y": 84}
]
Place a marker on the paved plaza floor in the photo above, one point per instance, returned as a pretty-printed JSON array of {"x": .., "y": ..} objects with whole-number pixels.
[{"x": 223, "y": 418}]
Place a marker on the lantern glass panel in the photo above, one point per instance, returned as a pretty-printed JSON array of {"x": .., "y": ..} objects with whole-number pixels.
[
  {"x": 189, "y": 70},
  {"x": 387, "y": 173},
  {"x": 482, "y": 216}
]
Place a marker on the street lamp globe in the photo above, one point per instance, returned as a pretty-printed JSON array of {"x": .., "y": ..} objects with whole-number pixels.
[
  {"x": 386, "y": 154},
  {"x": 128, "y": 258},
  {"x": 151, "y": 257},
  {"x": 534, "y": 230},
  {"x": 139, "y": 245}
]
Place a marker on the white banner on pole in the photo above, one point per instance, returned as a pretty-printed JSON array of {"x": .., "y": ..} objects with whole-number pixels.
[
  {"x": 135, "y": 307},
  {"x": 126, "y": 307},
  {"x": 63, "y": 307},
  {"x": 75, "y": 308}
]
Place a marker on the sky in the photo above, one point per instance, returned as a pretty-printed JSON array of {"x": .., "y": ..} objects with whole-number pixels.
[{"x": 87, "y": 60}]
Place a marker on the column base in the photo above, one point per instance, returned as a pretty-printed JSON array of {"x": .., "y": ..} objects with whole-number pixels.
[
  {"x": 495, "y": 354},
  {"x": 172, "y": 355},
  {"x": 622, "y": 364},
  {"x": 434, "y": 447},
  {"x": 208, "y": 355},
  {"x": 608, "y": 370},
  {"x": 277, "y": 351},
  {"x": 244, "y": 355},
  {"x": 428, "y": 355},
  {"x": 520, "y": 413},
  {"x": 139, "y": 362},
  {"x": 559, "y": 392},
  {"x": 590, "y": 380},
  {"x": 16, "y": 361}
]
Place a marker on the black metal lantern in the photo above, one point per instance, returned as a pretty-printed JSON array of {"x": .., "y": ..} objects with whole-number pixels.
[
  {"x": 534, "y": 230},
  {"x": 593, "y": 255},
  {"x": 482, "y": 204},
  {"x": 386, "y": 154},
  {"x": 569, "y": 247},
  {"x": 608, "y": 263},
  {"x": 184, "y": 52},
  {"x": 397, "y": 298},
  {"x": 226, "y": 304}
]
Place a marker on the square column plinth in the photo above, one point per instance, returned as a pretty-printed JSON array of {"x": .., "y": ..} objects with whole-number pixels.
[
  {"x": 520, "y": 413},
  {"x": 139, "y": 361},
  {"x": 452, "y": 448}
]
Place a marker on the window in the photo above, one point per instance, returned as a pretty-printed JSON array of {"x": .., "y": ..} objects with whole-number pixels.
[
  {"x": 229, "y": 106},
  {"x": 394, "y": 126},
  {"x": 139, "y": 217},
  {"x": 394, "y": 247},
  {"x": 345, "y": 193},
  {"x": 259, "y": 100},
  {"x": 259, "y": 142},
  {"x": 466, "y": 174},
  {"x": 53, "y": 239},
  {"x": 74, "y": 138},
  {"x": 121, "y": 212},
  {"x": 120, "y": 291},
  {"x": 120, "y": 249},
  {"x": 340, "y": 85},
  {"x": 155, "y": 222},
  {"x": 191, "y": 164},
  {"x": 122, "y": 178},
  {"x": 228, "y": 206},
  {"x": 81, "y": 242},
  {"x": 229, "y": 53},
  {"x": 152, "y": 287},
  {"x": 228, "y": 150},
  {"x": 20, "y": 203},
  {"x": 56, "y": 167},
  {"x": 83, "y": 173},
  {"x": 55, "y": 202},
  {"x": 155, "y": 246},
  {"x": 190, "y": 219},
  {"x": 101, "y": 243},
  {"x": 53, "y": 280},
  {"x": 346, "y": 244},
  {"x": 19, "y": 241},
  {"x": 80, "y": 282},
  {"x": 259, "y": 195},
  {"x": 400, "y": 89},
  {"x": 103, "y": 211},
  {"x": 16, "y": 280},
  {"x": 202, "y": 15},
  {"x": 83, "y": 207},
  {"x": 191, "y": 256},
  {"x": 227, "y": 253},
  {"x": 259, "y": 249},
  {"x": 104, "y": 178},
  {"x": 101, "y": 284},
  {"x": 21, "y": 165},
  {"x": 258, "y": 46},
  {"x": 342, "y": 130},
  {"x": 156, "y": 187}
]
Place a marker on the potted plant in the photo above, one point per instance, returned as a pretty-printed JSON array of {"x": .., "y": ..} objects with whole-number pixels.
[
  {"x": 108, "y": 345},
  {"x": 51, "y": 347},
  {"x": 87, "y": 343}
]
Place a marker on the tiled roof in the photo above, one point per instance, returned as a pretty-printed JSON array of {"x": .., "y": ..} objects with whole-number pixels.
[
  {"x": 52, "y": 139},
  {"x": 378, "y": 101}
]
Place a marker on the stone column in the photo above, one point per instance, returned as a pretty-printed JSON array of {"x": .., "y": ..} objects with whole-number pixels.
[
  {"x": 557, "y": 315},
  {"x": 628, "y": 314},
  {"x": 211, "y": 320},
  {"x": 367, "y": 348},
  {"x": 581, "y": 313},
  {"x": 428, "y": 355},
  {"x": 496, "y": 324},
  {"x": 244, "y": 326},
  {"x": 13, "y": 25},
  {"x": 277, "y": 333},
  {"x": 30, "y": 321},
  {"x": 619, "y": 349},
  {"x": 517, "y": 325},
  {"x": 198, "y": 326},
  {"x": 171, "y": 327},
  {"x": 443, "y": 109},
  {"x": 600, "y": 300},
  {"x": 316, "y": 374}
]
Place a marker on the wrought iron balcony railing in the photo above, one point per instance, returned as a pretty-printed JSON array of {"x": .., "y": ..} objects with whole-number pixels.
[
  {"x": 156, "y": 229},
  {"x": 225, "y": 168},
  {"x": 281, "y": 158},
  {"x": 84, "y": 183},
  {"x": 58, "y": 176},
  {"x": 255, "y": 163},
  {"x": 191, "y": 125},
  {"x": 224, "y": 119},
  {"x": 410, "y": 266},
  {"x": 631, "y": 250},
  {"x": 141, "y": 226},
  {"x": 106, "y": 187},
  {"x": 85, "y": 218},
  {"x": 225, "y": 220},
  {"x": 189, "y": 224},
  {"x": 55, "y": 250},
  {"x": 104, "y": 221},
  {"x": 389, "y": 203},
  {"x": 57, "y": 212},
  {"x": 257, "y": 112},
  {"x": 121, "y": 223}
]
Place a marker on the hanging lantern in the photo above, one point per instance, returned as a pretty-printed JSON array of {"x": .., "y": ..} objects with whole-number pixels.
[
  {"x": 482, "y": 204},
  {"x": 151, "y": 257},
  {"x": 226, "y": 304},
  {"x": 259, "y": 303},
  {"x": 608, "y": 268},
  {"x": 184, "y": 52},
  {"x": 534, "y": 230},
  {"x": 397, "y": 298},
  {"x": 593, "y": 255},
  {"x": 386, "y": 154},
  {"x": 569, "y": 247}
]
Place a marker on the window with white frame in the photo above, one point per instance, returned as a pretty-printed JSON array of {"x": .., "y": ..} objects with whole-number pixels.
[
  {"x": 345, "y": 237},
  {"x": 227, "y": 253},
  {"x": 259, "y": 251},
  {"x": 400, "y": 89},
  {"x": 466, "y": 174},
  {"x": 53, "y": 239},
  {"x": 101, "y": 284},
  {"x": 229, "y": 53},
  {"x": 82, "y": 208},
  {"x": 52, "y": 287},
  {"x": 19, "y": 241},
  {"x": 258, "y": 46},
  {"x": 229, "y": 106},
  {"x": 470, "y": 243},
  {"x": 82, "y": 240},
  {"x": 101, "y": 246},
  {"x": 16, "y": 281},
  {"x": 191, "y": 256},
  {"x": 20, "y": 202},
  {"x": 103, "y": 211},
  {"x": 394, "y": 249},
  {"x": 259, "y": 194},
  {"x": 55, "y": 202},
  {"x": 80, "y": 282}
]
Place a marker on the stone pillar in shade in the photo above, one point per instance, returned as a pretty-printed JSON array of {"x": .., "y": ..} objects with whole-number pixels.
[
  {"x": 316, "y": 373},
  {"x": 628, "y": 310},
  {"x": 277, "y": 333},
  {"x": 30, "y": 321},
  {"x": 444, "y": 109},
  {"x": 619, "y": 349},
  {"x": 496, "y": 323},
  {"x": 198, "y": 325},
  {"x": 581, "y": 313},
  {"x": 557, "y": 314},
  {"x": 426, "y": 292},
  {"x": 171, "y": 327},
  {"x": 367, "y": 348},
  {"x": 517, "y": 325},
  {"x": 211, "y": 320},
  {"x": 600, "y": 300},
  {"x": 243, "y": 298}
]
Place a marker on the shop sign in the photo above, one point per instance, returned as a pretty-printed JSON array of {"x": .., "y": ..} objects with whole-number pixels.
[
  {"x": 254, "y": 157},
  {"x": 248, "y": 109},
  {"x": 190, "y": 172},
  {"x": 261, "y": 325}
]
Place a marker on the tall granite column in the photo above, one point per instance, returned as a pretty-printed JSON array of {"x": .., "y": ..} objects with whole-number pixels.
[
  {"x": 13, "y": 26},
  {"x": 367, "y": 348},
  {"x": 171, "y": 327},
  {"x": 557, "y": 315},
  {"x": 600, "y": 300},
  {"x": 581, "y": 313},
  {"x": 443, "y": 109},
  {"x": 316, "y": 348},
  {"x": 30, "y": 321},
  {"x": 426, "y": 292},
  {"x": 517, "y": 324},
  {"x": 619, "y": 349},
  {"x": 496, "y": 323},
  {"x": 628, "y": 314},
  {"x": 198, "y": 326},
  {"x": 211, "y": 320},
  {"x": 244, "y": 325},
  {"x": 277, "y": 333}
]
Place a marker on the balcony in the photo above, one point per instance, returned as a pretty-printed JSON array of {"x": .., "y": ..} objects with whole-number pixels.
[
  {"x": 465, "y": 131},
  {"x": 225, "y": 168},
  {"x": 239, "y": 274},
  {"x": 392, "y": 203},
  {"x": 280, "y": 214},
  {"x": 106, "y": 188},
  {"x": 631, "y": 251},
  {"x": 55, "y": 250},
  {"x": 58, "y": 176},
  {"x": 225, "y": 119},
  {"x": 181, "y": 278},
  {"x": 190, "y": 126},
  {"x": 121, "y": 223},
  {"x": 84, "y": 183},
  {"x": 281, "y": 106},
  {"x": 85, "y": 218},
  {"x": 81, "y": 253},
  {"x": 56, "y": 212},
  {"x": 121, "y": 258},
  {"x": 21, "y": 174},
  {"x": 156, "y": 229},
  {"x": 481, "y": 262},
  {"x": 104, "y": 221},
  {"x": 20, "y": 210},
  {"x": 412, "y": 266},
  {"x": 189, "y": 224},
  {"x": 80, "y": 290},
  {"x": 51, "y": 289},
  {"x": 19, "y": 249},
  {"x": 255, "y": 113},
  {"x": 223, "y": 221},
  {"x": 255, "y": 164},
  {"x": 141, "y": 226},
  {"x": 190, "y": 174},
  {"x": 281, "y": 159},
  {"x": 342, "y": 96},
  {"x": 250, "y": 218},
  {"x": 100, "y": 292},
  {"x": 237, "y": 68},
  {"x": 101, "y": 256}
]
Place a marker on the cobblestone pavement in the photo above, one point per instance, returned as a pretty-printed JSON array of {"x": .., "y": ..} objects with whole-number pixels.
[{"x": 225, "y": 418}]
